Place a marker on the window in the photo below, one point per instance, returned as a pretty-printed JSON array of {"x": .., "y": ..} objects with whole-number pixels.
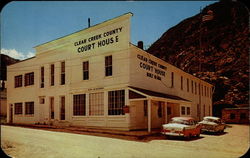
[
  {"x": 204, "y": 110},
  {"x": 96, "y": 104},
  {"x": 41, "y": 100},
  {"x": 52, "y": 113},
  {"x": 232, "y": 116},
  {"x": 243, "y": 116},
  {"x": 182, "y": 110},
  {"x": 63, "y": 73},
  {"x": 42, "y": 77},
  {"x": 18, "y": 108},
  {"x": 195, "y": 88},
  {"x": 172, "y": 79},
  {"x": 205, "y": 91},
  {"x": 52, "y": 74},
  {"x": 62, "y": 109},
  {"x": 145, "y": 107},
  {"x": 108, "y": 65},
  {"x": 169, "y": 111},
  {"x": 85, "y": 69},
  {"x": 18, "y": 81},
  {"x": 187, "y": 85},
  {"x": 116, "y": 102},
  {"x": 79, "y": 105},
  {"x": 160, "y": 109},
  {"x": 188, "y": 110},
  {"x": 198, "y": 110},
  {"x": 181, "y": 83},
  {"x": 201, "y": 90},
  {"x": 192, "y": 86},
  {"x": 29, "y": 108},
  {"x": 29, "y": 79}
]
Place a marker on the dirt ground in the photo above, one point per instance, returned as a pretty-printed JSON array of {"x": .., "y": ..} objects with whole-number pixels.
[{"x": 21, "y": 142}]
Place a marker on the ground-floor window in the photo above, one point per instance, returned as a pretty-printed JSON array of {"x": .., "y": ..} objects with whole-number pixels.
[
  {"x": 52, "y": 113},
  {"x": 183, "y": 110},
  {"x": 188, "y": 110},
  {"x": 79, "y": 105},
  {"x": 96, "y": 104},
  {"x": 62, "y": 109},
  {"x": 116, "y": 102},
  {"x": 145, "y": 107},
  {"x": 243, "y": 116},
  {"x": 232, "y": 116},
  {"x": 29, "y": 108},
  {"x": 18, "y": 108},
  {"x": 160, "y": 109}
]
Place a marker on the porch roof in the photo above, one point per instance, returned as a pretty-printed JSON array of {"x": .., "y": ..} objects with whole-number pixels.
[{"x": 158, "y": 94}]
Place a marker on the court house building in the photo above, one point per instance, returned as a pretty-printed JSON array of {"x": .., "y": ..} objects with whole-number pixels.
[{"x": 97, "y": 78}]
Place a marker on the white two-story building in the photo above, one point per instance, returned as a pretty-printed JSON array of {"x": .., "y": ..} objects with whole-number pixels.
[{"x": 96, "y": 78}]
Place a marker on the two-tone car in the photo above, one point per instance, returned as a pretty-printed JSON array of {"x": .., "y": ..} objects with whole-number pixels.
[
  {"x": 181, "y": 126},
  {"x": 212, "y": 124}
]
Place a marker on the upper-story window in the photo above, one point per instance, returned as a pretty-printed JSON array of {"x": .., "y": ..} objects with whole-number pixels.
[
  {"x": 52, "y": 74},
  {"x": 18, "y": 81},
  {"x": 195, "y": 87},
  {"x": 63, "y": 73},
  {"x": 192, "y": 86},
  {"x": 205, "y": 91},
  {"x": 85, "y": 69},
  {"x": 181, "y": 82},
  {"x": 29, "y": 79},
  {"x": 108, "y": 65},
  {"x": 187, "y": 85},
  {"x": 172, "y": 79},
  {"x": 42, "y": 77}
]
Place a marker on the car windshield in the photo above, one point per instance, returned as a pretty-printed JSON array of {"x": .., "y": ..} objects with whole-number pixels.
[{"x": 185, "y": 122}]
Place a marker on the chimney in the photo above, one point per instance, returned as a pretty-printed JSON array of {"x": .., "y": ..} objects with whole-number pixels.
[
  {"x": 140, "y": 44},
  {"x": 88, "y": 22}
]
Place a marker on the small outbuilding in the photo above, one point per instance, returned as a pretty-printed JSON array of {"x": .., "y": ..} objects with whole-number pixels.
[{"x": 236, "y": 115}]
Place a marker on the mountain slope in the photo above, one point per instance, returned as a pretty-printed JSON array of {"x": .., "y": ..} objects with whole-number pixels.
[{"x": 215, "y": 50}]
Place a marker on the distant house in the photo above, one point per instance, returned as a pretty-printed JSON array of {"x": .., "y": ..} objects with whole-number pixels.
[{"x": 236, "y": 115}]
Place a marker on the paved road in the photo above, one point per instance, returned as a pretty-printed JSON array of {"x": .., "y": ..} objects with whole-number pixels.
[{"x": 24, "y": 143}]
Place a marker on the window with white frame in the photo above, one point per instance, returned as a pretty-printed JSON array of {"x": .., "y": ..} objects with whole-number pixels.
[
  {"x": 18, "y": 108},
  {"x": 108, "y": 65},
  {"x": 18, "y": 81},
  {"x": 85, "y": 69},
  {"x": 79, "y": 105},
  {"x": 29, "y": 79},
  {"x": 183, "y": 110},
  {"x": 29, "y": 108},
  {"x": 188, "y": 110},
  {"x": 62, "y": 72},
  {"x": 116, "y": 102},
  {"x": 96, "y": 104}
]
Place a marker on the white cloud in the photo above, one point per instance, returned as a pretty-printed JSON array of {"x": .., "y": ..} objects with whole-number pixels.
[{"x": 17, "y": 55}]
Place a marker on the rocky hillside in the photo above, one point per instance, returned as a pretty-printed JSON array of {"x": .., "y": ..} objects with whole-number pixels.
[
  {"x": 220, "y": 45},
  {"x": 5, "y": 60}
]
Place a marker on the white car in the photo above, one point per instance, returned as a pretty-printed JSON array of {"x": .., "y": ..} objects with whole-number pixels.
[
  {"x": 182, "y": 126},
  {"x": 212, "y": 124}
]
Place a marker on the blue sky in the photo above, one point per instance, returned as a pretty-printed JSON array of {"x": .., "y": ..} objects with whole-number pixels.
[{"x": 27, "y": 24}]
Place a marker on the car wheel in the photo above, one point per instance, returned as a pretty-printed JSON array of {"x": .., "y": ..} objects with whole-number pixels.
[{"x": 198, "y": 135}]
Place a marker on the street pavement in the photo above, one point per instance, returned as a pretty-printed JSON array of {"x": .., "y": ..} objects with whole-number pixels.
[{"x": 21, "y": 142}]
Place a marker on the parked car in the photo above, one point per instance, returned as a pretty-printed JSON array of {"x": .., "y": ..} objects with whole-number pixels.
[
  {"x": 182, "y": 126},
  {"x": 212, "y": 124}
]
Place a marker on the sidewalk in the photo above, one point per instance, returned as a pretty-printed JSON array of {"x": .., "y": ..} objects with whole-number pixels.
[{"x": 139, "y": 134}]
